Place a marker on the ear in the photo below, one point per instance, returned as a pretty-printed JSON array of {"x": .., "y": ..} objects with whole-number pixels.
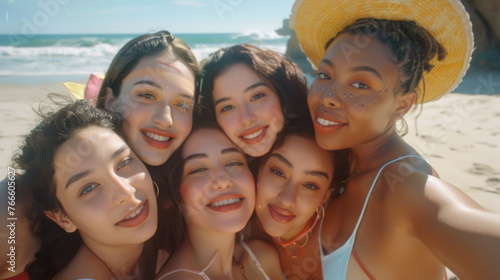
[
  {"x": 61, "y": 219},
  {"x": 404, "y": 102},
  {"x": 110, "y": 101}
]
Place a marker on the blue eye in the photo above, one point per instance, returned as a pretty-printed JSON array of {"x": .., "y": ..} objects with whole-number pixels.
[
  {"x": 257, "y": 96},
  {"x": 147, "y": 95},
  {"x": 234, "y": 164},
  {"x": 123, "y": 163},
  {"x": 277, "y": 172},
  {"x": 88, "y": 188},
  {"x": 226, "y": 108},
  {"x": 311, "y": 186},
  {"x": 183, "y": 105},
  {"x": 197, "y": 170}
]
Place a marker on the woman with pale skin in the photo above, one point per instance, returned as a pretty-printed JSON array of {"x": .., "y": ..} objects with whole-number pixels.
[
  {"x": 94, "y": 203},
  {"x": 151, "y": 84},
  {"x": 216, "y": 194},
  {"x": 252, "y": 93},
  {"x": 294, "y": 182},
  {"x": 394, "y": 219}
]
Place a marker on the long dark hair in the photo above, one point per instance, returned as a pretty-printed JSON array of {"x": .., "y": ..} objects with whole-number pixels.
[
  {"x": 36, "y": 159},
  {"x": 286, "y": 78},
  {"x": 138, "y": 48}
]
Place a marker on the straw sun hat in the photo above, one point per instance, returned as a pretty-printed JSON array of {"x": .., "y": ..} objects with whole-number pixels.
[{"x": 317, "y": 21}]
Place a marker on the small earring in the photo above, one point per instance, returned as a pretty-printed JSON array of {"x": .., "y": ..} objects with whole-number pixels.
[
  {"x": 319, "y": 212},
  {"x": 402, "y": 129},
  {"x": 157, "y": 189},
  {"x": 259, "y": 206}
]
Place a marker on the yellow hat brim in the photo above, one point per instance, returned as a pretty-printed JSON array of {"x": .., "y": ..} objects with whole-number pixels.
[{"x": 317, "y": 21}]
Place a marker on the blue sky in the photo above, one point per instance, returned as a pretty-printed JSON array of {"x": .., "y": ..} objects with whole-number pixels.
[{"x": 127, "y": 16}]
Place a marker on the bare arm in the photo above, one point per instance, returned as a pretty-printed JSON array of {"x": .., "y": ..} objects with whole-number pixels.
[{"x": 457, "y": 230}]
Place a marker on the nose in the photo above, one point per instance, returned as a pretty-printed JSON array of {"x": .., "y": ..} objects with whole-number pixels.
[
  {"x": 287, "y": 195},
  {"x": 162, "y": 116},
  {"x": 121, "y": 190},
  {"x": 247, "y": 116},
  {"x": 221, "y": 180},
  {"x": 330, "y": 98}
]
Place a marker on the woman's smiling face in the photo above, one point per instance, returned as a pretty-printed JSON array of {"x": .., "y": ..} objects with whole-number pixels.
[
  {"x": 217, "y": 188},
  {"x": 293, "y": 182},
  {"x": 156, "y": 102},
  {"x": 105, "y": 191},
  {"x": 352, "y": 98},
  {"x": 248, "y": 109}
]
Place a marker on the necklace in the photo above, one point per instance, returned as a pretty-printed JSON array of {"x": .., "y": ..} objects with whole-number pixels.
[
  {"x": 307, "y": 231},
  {"x": 241, "y": 266}
]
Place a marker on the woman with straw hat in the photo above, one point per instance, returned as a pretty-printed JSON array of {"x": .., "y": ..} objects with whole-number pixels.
[{"x": 394, "y": 218}]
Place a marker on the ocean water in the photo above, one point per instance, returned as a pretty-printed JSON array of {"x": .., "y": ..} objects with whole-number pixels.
[{"x": 37, "y": 59}]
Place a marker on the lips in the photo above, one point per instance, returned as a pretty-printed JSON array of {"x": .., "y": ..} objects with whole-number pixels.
[
  {"x": 253, "y": 135},
  {"x": 157, "y": 138},
  {"x": 280, "y": 215},
  {"x": 136, "y": 216},
  {"x": 225, "y": 203},
  {"x": 323, "y": 124}
]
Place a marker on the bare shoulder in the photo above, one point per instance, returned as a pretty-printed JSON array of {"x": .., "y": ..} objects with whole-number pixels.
[
  {"x": 78, "y": 268},
  {"x": 420, "y": 195}
]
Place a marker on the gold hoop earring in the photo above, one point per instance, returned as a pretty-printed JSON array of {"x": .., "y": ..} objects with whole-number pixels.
[
  {"x": 322, "y": 212},
  {"x": 402, "y": 128},
  {"x": 157, "y": 189}
]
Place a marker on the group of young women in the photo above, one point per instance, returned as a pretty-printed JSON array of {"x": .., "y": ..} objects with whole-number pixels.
[{"x": 162, "y": 178}]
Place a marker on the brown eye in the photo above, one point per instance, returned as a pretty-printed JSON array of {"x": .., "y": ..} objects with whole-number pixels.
[{"x": 360, "y": 85}]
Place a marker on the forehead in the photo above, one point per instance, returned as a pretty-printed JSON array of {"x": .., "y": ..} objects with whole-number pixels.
[
  {"x": 236, "y": 76},
  {"x": 163, "y": 64},
  {"x": 206, "y": 141},
  {"x": 357, "y": 49},
  {"x": 85, "y": 148},
  {"x": 304, "y": 152}
]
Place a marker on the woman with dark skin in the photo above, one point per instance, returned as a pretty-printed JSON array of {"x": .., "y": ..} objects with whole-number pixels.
[{"x": 394, "y": 219}]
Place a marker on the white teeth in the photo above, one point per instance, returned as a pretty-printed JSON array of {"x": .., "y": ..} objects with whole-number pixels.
[
  {"x": 325, "y": 122},
  {"x": 157, "y": 137},
  {"x": 135, "y": 213},
  {"x": 252, "y": 136},
  {"x": 225, "y": 202}
]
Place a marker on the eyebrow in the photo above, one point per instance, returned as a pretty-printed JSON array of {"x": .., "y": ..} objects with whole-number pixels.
[
  {"x": 282, "y": 159},
  {"x": 367, "y": 68},
  {"x": 327, "y": 62},
  {"x": 357, "y": 68},
  {"x": 147, "y": 82},
  {"x": 230, "y": 150},
  {"x": 203, "y": 155},
  {"x": 80, "y": 175},
  {"x": 285, "y": 161},
  {"x": 249, "y": 88},
  {"x": 317, "y": 173}
]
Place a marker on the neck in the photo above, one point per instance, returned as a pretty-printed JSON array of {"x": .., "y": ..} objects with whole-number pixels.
[
  {"x": 204, "y": 244},
  {"x": 365, "y": 155},
  {"x": 298, "y": 234},
  {"x": 120, "y": 260}
]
